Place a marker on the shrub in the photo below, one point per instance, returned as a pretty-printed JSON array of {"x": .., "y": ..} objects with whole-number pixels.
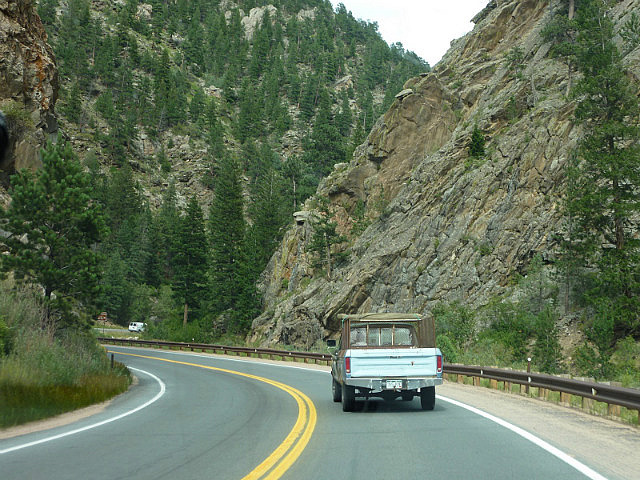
[
  {"x": 43, "y": 374},
  {"x": 448, "y": 349},
  {"x": 456, "y": 321},
  {"x": 476, "y": 148}
]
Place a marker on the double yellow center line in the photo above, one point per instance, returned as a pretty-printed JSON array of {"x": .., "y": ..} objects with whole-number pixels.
[{"x": 283, "y": 457}]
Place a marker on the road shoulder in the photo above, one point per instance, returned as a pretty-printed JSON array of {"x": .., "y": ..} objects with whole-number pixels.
[{"x": 609, "y": 447}]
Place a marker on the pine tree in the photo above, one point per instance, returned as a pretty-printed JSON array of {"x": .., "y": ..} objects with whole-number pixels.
[
  {"x": 326, "y": 146},
  {"x": 325, "y": 238},
  {"x": 226, "y": 233},
  {"x": 476, "y": 147},
  {"x": 215, "y": 134},
  {"x": 53, "y": 227},
  {"x": 167, "y": 223},
  {"x": 197, "y": 106},
  {"x": 73, "y": 108},
  {"x": 603, "y": 180},
  {"x": 191, "y": 260},
  {"x": 194, "y": 43}
]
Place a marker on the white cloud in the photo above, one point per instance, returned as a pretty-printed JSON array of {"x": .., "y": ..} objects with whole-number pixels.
[{"x": 426, "y": 27}]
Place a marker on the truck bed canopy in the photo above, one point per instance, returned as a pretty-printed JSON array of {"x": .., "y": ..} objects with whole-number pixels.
[
  {"x": 381, "y": 317},
  {"x": 425, "y": 326}
]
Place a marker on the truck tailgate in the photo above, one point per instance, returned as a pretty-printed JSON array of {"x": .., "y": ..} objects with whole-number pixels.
[{"x": 394, "y": 362}]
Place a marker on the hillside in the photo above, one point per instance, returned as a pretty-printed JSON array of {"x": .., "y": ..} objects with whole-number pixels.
[
  {"x": 170, "y": 86},
  {"x": 158, "y": 98},
  {"x": 429, "y": 227},
  {"x": 497, "y": 192}
]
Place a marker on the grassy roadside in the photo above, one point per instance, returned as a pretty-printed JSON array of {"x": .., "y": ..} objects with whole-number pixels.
[{"x": 43, "y": 374}]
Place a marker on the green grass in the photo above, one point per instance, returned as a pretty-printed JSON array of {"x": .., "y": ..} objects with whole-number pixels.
[
  {"x": 24, "y": 402},
  {"x": 45, "y": 377},
  {"x": 45, "y": 373}
]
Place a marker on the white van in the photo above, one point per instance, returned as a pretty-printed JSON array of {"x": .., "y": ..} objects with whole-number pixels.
[{"x": 137, "y": 326}]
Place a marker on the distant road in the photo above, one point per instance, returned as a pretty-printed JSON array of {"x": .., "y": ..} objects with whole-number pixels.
[
  {"x": 114, "y": 330},
  {"x": 213, "y": 423}
]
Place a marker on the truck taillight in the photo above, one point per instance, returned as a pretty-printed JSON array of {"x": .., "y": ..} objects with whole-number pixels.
[
  {"x": 347, "y": 364},
  {"x": 439, "y": 363}
]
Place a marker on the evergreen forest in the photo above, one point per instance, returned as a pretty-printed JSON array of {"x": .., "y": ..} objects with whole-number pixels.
[{"x": 202, "y": 136}]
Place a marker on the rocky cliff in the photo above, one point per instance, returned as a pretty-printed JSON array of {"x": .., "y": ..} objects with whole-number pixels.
[
  {"x": 28, "y": 83},
  {"x": 443, "y": 226}
]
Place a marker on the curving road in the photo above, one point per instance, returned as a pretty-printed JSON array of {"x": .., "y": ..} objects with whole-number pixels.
[{"x": 207, "y": 417}]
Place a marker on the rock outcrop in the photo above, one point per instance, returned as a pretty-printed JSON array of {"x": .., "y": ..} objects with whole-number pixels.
[
  {"x": 443, "y": 226},
  {"x": 28, "y": 83}
]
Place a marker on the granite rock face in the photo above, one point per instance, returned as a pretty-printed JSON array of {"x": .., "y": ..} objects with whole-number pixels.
[
  {"x": 28, "y": 83},
  {"x": 441, "y": 226}
]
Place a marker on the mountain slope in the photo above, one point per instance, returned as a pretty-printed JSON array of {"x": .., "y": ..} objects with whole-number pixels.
[{"x": 452, "y": 228}]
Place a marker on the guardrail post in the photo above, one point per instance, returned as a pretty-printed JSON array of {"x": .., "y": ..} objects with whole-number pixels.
[
  {"x": 613, "y": 410},
  {"x": 528, "y": 371}
]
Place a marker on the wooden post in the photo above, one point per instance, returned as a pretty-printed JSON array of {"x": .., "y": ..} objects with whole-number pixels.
[{"x": 613, "y": 410}]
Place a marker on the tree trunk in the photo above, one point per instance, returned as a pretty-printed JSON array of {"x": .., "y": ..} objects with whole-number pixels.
[
  {"x": 186, "y": 314},
  {"x": 328, "y": 257},
  {"x": 572, "y": 9},
  {"x": 293, "y": 179}
]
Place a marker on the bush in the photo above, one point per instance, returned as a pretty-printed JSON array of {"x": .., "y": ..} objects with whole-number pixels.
[
  {"x": 488, "y": 351},
  {"x": 547, "y": 354},
  {"x": 455, "y": 321},
  {"x": 448, "y": 349},
  {"x": 511, "y": 325},
  {"x": 6, "y": 338},
  {"x": 626, "y": 362},
  {"x": 43, "y": 374},
  {"x": 476, "y": 148}
]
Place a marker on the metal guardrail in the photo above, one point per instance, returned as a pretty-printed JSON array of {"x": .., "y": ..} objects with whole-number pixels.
[
  {"x": 609, "y": 394},
  {"x": 601, "y": 392},
  {"x": 225, "y": 349}
]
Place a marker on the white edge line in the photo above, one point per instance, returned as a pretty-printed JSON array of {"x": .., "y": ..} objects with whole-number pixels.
[
  {"x": 99, "y": 424},
  {"x": 581, "y": 467}
]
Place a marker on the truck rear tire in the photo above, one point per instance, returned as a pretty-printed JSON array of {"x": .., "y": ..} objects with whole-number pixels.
[
  {"x": 428, "y": 398},
  {"x": 348, "y": 398},
  {"x": 336, "y": 390}
]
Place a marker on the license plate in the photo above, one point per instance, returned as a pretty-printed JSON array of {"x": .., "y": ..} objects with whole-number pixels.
[{"x": 394, "y": 384}]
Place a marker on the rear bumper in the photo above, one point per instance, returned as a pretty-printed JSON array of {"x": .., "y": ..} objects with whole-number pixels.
[{"x": 379, "y": 384}]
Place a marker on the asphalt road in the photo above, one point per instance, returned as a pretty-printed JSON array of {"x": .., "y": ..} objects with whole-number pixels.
[{"x": 206, "y": 423}]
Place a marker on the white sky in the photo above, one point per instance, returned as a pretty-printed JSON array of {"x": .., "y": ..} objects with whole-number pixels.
[{"x": 425, "y": 27}]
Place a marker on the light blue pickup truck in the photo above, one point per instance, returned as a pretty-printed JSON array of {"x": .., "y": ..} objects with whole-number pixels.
[{"x": 386, "y": 355}]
